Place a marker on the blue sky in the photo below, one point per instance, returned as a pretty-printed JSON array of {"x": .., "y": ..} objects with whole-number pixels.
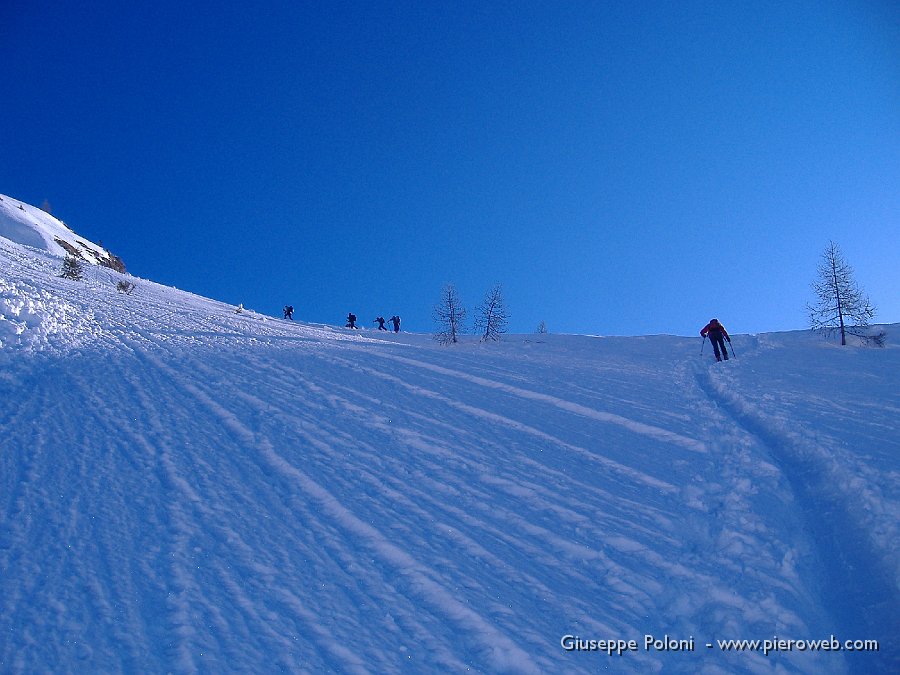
[{"x": 621, "y": 168}]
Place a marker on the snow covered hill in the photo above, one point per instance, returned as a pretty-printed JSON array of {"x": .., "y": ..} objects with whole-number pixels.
[
  {"x": 31, "y": 226},
  {"x": 188, "y": 489}
]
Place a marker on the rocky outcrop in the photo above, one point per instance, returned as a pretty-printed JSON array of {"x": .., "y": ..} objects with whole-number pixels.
[{"x": 110, "y": 260}]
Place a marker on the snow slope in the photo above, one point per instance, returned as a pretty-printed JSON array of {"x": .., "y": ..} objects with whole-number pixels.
[
  {"x": 31, "y": 226},
  {"x": 188, "y": 489}
]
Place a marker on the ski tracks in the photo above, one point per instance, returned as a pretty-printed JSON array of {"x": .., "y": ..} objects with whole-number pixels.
[
  {"x": 616, "y": 539},
  {"x": 652, "y": 431},
  {"x": 62, "y": 518},
  {"x": 251, "y": 574},
  {"x": 421, "y": 477},
  {"x": 342, "y": 508},
  {"x": 422, "y": 582},
  {"x": 847, "y": 554}
]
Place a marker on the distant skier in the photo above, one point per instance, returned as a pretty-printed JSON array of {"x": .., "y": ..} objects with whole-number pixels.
[
  {"x": 351, "y": 320},
  {"x": 380, "y": 321},
  {"x": 239, "y": 309},
  {"x": 396, "y": 321},
  {"x": 717, "y": 335},
  {"x": 289, "y": 312}
]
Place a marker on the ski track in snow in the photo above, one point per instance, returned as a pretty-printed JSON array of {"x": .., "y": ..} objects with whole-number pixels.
[
  {"x": 630, "y": 424},
  {"x": 187, "y": 489},
  {"x": 850, "y": 506}
]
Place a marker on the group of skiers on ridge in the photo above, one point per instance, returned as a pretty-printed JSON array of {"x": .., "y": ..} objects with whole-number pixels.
[
  {"x": 395, "y": 320},
  {"x": 351, "y": 319},
  {"x": 714, "y": 330}
]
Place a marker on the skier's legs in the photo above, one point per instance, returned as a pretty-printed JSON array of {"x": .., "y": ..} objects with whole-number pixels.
[
  {"x": 718, "y": 342},
  {"x": 721, "y": 340},
  {"x": 715, "y": 340}
]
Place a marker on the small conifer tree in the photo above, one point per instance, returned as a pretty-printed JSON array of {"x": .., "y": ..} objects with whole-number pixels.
[{"x": 72, "y": 268}]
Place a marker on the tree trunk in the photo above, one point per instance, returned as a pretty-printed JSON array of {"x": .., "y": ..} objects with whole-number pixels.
[{"x": 837, "y": 296}]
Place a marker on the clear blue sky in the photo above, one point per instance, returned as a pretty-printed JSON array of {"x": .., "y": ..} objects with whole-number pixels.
[{"x": 620, "y": 167}]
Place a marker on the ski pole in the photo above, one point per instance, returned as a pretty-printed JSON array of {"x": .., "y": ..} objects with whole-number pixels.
[
  {"x": 732, "y": 349},
  {"x": 702, "y": 345}
]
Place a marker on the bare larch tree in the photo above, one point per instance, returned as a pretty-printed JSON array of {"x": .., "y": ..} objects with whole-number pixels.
[
  {"x": 450, "y": 316},
  {"x": 492, "y": 316},
  {"x": 842, "y": 306}
]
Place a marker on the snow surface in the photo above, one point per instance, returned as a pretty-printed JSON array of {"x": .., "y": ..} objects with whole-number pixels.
[
  {"x": 31, "y": 226},
  {"x": 188, "y": 489}
]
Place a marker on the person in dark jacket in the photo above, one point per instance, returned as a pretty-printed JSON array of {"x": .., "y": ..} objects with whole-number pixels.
[
  {"x": 396, "y": 321},
  {"x": 351, "y": 320},
  {"x": 380, "y": 321},
  {"x": 289, "y": 312},
  {"x": 717, "y": 335}
]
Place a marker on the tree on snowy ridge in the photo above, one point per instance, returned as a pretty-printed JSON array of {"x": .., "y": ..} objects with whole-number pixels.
[
  {"x": 842, "y": 305},
  {"x": 492, "y": 315},
  {"x": 450, "y": 315}
]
